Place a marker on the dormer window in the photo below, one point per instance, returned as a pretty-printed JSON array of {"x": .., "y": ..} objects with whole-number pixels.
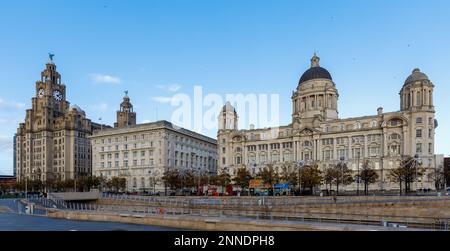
[{"x": 374, "y": 123}]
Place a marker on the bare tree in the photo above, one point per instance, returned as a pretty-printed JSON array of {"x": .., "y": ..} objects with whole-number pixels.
[
  {"x": 406, "y": 173},
  {"x": 341, "y": 175},
  {"x": 367, "y": 175}
]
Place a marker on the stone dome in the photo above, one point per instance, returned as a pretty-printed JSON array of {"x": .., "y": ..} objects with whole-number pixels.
[
  {"x": 416, "y": 75},
  {"x": 228, "y": 107},
  {"x": 315, "y": 72}
]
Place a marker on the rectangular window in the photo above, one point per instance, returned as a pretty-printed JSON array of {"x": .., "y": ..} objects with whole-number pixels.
[
  {"x": 374, "y": 151},
  {"x": 125, "y": 163},
  {"x": 419, "y": 148},
  {"x": 117, "y": 163},
  {"x": 419, "y": 133}
]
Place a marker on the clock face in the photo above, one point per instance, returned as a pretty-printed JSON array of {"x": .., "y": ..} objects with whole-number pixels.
[
  {"x": 41, "y": 93},
  {"x": 57, "y": 95}
]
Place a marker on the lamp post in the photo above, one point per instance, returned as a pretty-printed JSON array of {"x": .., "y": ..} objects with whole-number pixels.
[
  {"x": 26, "y": 188},
  {"x": 300, "y": 166},
  {"x": 359, "y": 178},
  {"x": 416, "y": 163},
  {"x": 341, "y": 163}
]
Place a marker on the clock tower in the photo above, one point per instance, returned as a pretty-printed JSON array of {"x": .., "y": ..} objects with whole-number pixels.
[
  {"x": 50, "y": 92},
  {"x": 52, "y": 143}
]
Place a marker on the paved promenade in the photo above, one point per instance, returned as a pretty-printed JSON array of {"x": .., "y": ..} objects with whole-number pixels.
[{"x": 13, "y": 221}]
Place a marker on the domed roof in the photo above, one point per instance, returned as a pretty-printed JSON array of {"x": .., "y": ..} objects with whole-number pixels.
[
  {"x": 416, "y": 75},
  {"x": 315, "y": 72},
  {"x": 228, "y": 107},
  {"x": 77, "y": 108}
]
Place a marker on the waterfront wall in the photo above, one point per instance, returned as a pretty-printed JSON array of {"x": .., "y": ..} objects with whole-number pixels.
[{"x": 198, "y": 223}]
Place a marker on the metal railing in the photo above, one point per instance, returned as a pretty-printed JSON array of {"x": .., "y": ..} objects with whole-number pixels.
[
  {"x": 269, "y": 200},
  {"x": 60, "y": 203},
  {"x": 435, "y": 223}
]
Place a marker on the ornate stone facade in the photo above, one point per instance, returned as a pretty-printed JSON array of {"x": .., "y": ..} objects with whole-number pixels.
[
  {"x": 52, "y": 143},
  {"x": 318, "y": 134},
  {"x": 142, "y": 153}
]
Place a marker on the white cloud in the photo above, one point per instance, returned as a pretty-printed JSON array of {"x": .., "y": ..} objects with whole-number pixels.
[
  {"x": 105, "y": 79},
  {"x": 19, "y": 105},
  {"x": 4, "y": 105},
  {"x": 170, "y": 88},
  {"x": 162, "y": 100}
]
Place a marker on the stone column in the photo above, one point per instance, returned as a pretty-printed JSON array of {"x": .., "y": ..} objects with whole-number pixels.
[
  {"x": 334, "y": 149},
  {"x": 366, "y": 152},
  {"x": 349, "y": 149}
]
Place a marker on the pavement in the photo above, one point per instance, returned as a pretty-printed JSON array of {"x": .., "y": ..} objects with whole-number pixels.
[{"x": 14, "y": 221}]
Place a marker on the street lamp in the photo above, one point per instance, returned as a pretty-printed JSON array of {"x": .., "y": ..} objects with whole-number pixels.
[
  {"x": 341, "y": 163},
  {"x": 359, "y": 178},
  {"x": 300, "y": 166},
  {"x": 416, "y": 163}
]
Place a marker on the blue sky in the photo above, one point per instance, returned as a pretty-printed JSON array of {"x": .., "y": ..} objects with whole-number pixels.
[{"x": 159, "y": 48}]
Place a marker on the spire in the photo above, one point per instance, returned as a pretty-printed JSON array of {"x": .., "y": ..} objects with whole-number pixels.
[{"x": 315, "y": 61}]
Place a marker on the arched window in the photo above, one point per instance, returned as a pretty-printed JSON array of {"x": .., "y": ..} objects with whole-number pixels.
[
  {"x": 275, "y": 157},
  {"x": 373, "y": 123},
  {"x": 134, "y": 182},
  {"x": 142, "y": 182}
]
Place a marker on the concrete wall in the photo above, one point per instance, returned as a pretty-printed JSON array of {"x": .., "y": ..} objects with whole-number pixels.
[{"x": 212, "y": 224}]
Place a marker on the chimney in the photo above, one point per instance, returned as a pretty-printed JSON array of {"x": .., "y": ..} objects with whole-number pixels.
[{"x": 380, "y": 110}]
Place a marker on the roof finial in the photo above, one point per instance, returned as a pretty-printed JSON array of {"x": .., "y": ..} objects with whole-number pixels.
[
  {"x": 50, "y": 55},
  {"x": 315, "y": 60},
  {"x": 126, "y": 93}
]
